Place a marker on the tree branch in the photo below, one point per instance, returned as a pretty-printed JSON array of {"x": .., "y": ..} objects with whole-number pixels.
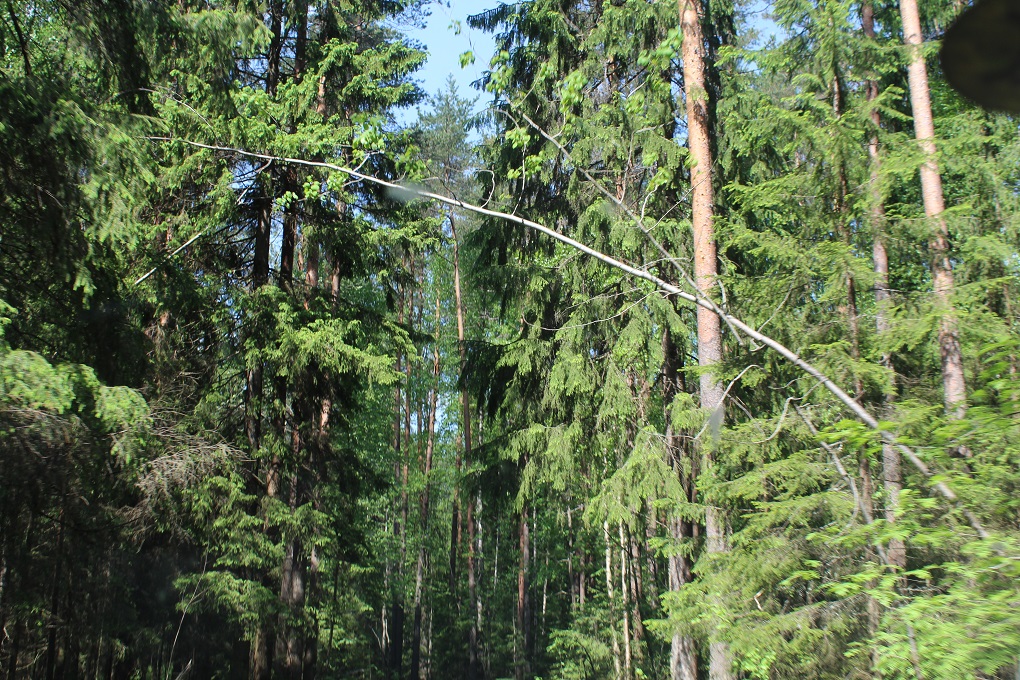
[{"x": 859, "y": 411}]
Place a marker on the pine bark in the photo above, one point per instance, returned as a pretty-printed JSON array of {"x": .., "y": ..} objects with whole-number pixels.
[
  {"x": 683, "y": 659},
  {"x": 261, "y": 662},
  {"x": 699, "y": 143},
  {"x": 953, "y": 381},
  {"x": 473, "y": 519},
  {"x": 892, "y": 475},
  {"x": 522, "y": 660},
  {"x": 424, "y": 503},
  {"x": 465, "y": 406},
  {"x": 611, "y": 598}
]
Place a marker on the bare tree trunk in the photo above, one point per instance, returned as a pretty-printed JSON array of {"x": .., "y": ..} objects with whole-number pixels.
[
  {"x": 651, "y": 565},
  {"x": 522, "y": 662},
  {"x": 260, "y": 666},
  {"x": 705, "y": 270},
  {"x": 635, "y": 580},
  {"x": 259, "y": 278},
  {"x": 309, "y": 666},
  {"x": 953, "y": 381},
  {"x": 473, "y": 598},
  {"x": 58, "y": 569},
  {"x": 617, "y": 661},
  {"x": 628, "y": 652},
  {"x": 892, "y": 476},
  {"x": 424, "y": 504},
  {"x": 394, "y": 663},
  {"x": 683, "y": 660},
  {"x": 310, "y": 660},
  {"x": 290, "y": 652},
  {"x": 465, "y": 407}
]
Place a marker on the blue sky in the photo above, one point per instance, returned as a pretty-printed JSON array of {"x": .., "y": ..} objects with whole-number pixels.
[{"x": 445, "y": 46}]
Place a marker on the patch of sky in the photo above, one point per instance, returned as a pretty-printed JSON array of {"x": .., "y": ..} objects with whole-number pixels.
[{"x": 454, "y": 49}]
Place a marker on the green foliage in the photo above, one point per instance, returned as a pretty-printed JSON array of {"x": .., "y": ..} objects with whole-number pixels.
[{"x": 257, "y": 454}]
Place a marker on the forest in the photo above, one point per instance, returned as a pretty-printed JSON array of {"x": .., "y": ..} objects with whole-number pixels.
[{"x": 683, "y": 344}]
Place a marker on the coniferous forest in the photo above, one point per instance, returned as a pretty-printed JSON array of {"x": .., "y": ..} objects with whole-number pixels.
[{"x": 681, "y": 345}]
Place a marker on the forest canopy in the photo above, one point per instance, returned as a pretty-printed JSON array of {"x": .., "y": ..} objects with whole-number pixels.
[{"x": 682, "y": 344}]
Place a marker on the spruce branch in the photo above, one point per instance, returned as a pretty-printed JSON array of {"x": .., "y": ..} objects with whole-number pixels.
[
  {"x": 696, "y": 298},
  {"x": 639, "y": 223}
]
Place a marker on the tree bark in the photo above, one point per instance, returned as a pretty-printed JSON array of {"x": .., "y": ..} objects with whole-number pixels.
[
  {"x": 617, "y": 660},
  {"x": 522, "y": 662},
  {"x": 424, "y": 504},
  {"x": 628, "y": 650},
  {"x": 892, "y": 476},
  {"x": 465, "y": 406},
  {"x": 260, "y": 667},
  {"x": 394, "y": 663},
  {"x": 683, "y": 659},
  {"x": 953, "y": 381},
  {"x": 705, "y": 271}
]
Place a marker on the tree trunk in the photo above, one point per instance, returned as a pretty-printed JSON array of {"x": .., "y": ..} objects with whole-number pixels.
[
  {"x": 635, "y": 580},
  {"x": 259, "y": 278},
  {"x": 891, "y": 467},
  {"x": 58, "y": 568},
  {"x": 474, "y": 520},
  {"x": 953, "y": 381},
  {"x": 522, "y": 664},
  {"x": 290, "y": 652},
  {"x": 394, "y": 663},
  {"x": 683, "y": 660},
  {"x": 424, "y": 504},
  {"x": 628, "y": 651},
  {"x": 705, "y": 271},
  {"x": 465, "y": 406},
  {"x": 610, "y": 597},
  {"x": 260, "y": 667}
]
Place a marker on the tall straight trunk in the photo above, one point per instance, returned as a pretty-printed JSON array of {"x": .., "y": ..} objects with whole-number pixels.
[
  {"x": 402, "y": 440},
  {"x": 683, "y": 659},
  {"x": 522, "y": 662},
  {"x": 261, "y": 662},
  {"x": 273, "y": 57},
  {"x": 320, "y": 430},
  {"x": 301, "y": 41},
  {"x": 864, "y": 463},
  {"x": 892, "y": 476},
  {"x": 954, "y": 385},
  {"x": 290, "y": 651},
  {"x": 292, "y": 586},
  {"x": 259, "y": 278},
  {"x": 310, "y": 660},
  {"x": 628, "y": 651},
  {"x": 424, "y": 504},
  {"x": 705, "y": 270},
  {"x": 405, "y": 460},
  {"x": 473, "y": 600},
  {"x": 58, "y": 567},
  {"x": 611, "y": 598},
  {"x": 651, "y": 564},
  {"x": 465, "y": 407},
  {"x": 571, "y": 576},
  {"x": 635, "y": 580},
  {"x": 288, "y": 243},
  {"x": 474, "y": 523}
]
